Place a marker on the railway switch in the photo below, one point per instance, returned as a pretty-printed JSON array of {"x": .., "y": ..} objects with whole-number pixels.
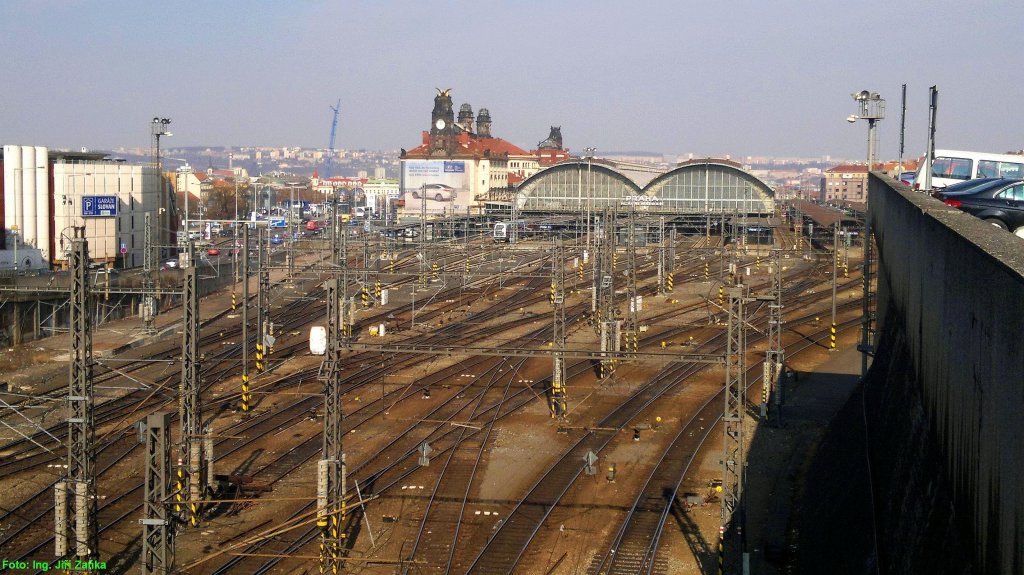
[{"x": 611, "y": 473}]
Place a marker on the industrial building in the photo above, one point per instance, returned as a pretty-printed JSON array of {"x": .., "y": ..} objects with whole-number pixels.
[{"x": 47, "y": 193}]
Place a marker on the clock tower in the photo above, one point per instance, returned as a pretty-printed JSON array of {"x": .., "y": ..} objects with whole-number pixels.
[{"x": 442, "y": 120}]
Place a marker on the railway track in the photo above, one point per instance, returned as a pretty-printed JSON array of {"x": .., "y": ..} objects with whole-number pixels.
[{"x": 462, "y": 440}]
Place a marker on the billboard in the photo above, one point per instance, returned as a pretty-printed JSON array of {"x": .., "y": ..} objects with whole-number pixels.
[
  {"x": 98, "y": 206},
  {"x": 436, "y": 187}
]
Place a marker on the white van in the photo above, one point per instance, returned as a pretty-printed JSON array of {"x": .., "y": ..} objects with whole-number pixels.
[{"x": 952, "y": 166}]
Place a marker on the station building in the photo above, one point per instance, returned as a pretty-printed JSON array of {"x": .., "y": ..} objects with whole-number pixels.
[
  {"x": 460, "y": 166},
  {"x": 461, "y": 169},
  {"x": 46, "y": 193}
]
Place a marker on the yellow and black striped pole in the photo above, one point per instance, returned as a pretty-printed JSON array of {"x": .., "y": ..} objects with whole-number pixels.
[
  {"x": 579, "y": 271},
  {"x": 433, "y": 272},
  {"x": 259, "y": 356},
  {"x": 832, "y": 338},
  {"x": 378, "y": 291},
  {"x": 245, "y": 392},
  {"x": 364, "y": 294},
  {"x": 179, "y": 488},
  {"x": 669, "y": 282},
  {"x": 721, "y": 295},
  {"x": 707, "y": 271},
  {"x": 551, "y": 294},
  {"x": 234, "y": 301},
  {"x": 721, "y": 551}
]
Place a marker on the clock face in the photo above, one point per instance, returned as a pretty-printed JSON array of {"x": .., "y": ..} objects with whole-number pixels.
[{"x": 439, "y": 124}]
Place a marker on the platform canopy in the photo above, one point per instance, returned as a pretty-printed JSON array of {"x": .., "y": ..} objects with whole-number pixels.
[{"x": 697, "y": 186}]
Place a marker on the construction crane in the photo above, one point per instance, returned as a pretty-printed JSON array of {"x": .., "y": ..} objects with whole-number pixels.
[{"x": 330, "y": 148}]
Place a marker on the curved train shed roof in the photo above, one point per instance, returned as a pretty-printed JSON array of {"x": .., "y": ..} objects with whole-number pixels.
[{"x": 697, "y": 186}]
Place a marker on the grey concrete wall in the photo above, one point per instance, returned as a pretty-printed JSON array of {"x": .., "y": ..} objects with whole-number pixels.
[{"x": 955, "y": 285}]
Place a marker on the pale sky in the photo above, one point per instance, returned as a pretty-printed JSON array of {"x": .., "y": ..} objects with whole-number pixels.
[{"x": 741, "y": 77}]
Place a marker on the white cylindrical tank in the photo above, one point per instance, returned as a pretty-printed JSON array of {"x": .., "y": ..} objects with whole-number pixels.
[
  {"x": 12, "y": 187},
  {"x": 43, "y": 195},
  {"x": 318, "y": 340},
  {"x": 27, "y": 201}
]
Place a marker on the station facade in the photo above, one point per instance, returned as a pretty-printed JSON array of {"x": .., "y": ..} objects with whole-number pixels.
[{"x": 462, "y": 169}]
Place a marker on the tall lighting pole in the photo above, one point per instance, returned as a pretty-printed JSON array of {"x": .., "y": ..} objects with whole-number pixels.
[
  {"x": 158, "y": 128},
  {"x": 872, "y": 109}
]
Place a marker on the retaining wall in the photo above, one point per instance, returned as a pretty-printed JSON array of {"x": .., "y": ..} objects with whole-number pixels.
[{"x": 951, "y": 294}]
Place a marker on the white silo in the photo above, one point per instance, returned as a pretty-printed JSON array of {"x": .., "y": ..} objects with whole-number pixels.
[
  {"x": 43, "y": 194},
  {"x": 27, "y": 199},
  {"x": 12, "y": 173}
]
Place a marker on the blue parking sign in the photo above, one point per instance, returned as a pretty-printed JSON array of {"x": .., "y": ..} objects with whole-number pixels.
[{"x": 99, "y": 206}]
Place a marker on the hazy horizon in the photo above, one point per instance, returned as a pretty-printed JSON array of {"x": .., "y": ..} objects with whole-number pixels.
[{"x": 756, "y": 79}]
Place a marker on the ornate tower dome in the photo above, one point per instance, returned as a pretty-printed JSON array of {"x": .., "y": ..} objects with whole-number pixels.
[
  {"x": 466, "y": 117},
  {"x": 483, "y": 123}
]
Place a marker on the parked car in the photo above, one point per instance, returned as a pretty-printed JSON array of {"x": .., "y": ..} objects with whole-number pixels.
[
  {"x": 170, "y": 264},
  {"x": 998, "y": 201},
  {"x": 439, "y": 192},
  {"x": 213, "y": 252}
]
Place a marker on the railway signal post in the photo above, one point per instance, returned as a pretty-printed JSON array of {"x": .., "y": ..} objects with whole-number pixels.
[{"x": 75, "y": 499}]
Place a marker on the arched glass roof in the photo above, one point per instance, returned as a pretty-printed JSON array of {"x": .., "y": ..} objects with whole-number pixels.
[
  {"x": 712, "y": 186},
  {"x": 569, "y": 186},
  {"x": 695, "y": 187}
]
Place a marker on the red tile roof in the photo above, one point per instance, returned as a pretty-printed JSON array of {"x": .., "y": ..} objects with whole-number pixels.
[
  {"x": 475, "y": 147},
  {"x": 848, "y": 169}
]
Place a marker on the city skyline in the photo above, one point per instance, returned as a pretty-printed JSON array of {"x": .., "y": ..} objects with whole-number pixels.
[{"x": 758, "y": 80}]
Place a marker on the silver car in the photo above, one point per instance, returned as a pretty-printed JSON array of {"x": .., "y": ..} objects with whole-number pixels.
[{"x": 438, "y": 192}]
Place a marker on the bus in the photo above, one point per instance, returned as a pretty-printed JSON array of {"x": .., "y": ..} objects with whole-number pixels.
[{"x": 952, "y": 166}]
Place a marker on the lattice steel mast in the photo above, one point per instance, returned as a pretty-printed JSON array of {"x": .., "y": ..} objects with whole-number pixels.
[
  {"x": 771, "y": 390},
  {"x": 75, "y": 499},
  {"x": 190, "y": 407},
  {"x": 732, "y": 518},
  {"x": 157, "y": 529},
  {"x": 558, "y": 397},
  {"x": 331, "y": 467}
]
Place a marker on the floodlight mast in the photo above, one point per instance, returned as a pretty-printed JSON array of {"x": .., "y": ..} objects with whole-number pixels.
[{"x": 872, "y": 109}]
